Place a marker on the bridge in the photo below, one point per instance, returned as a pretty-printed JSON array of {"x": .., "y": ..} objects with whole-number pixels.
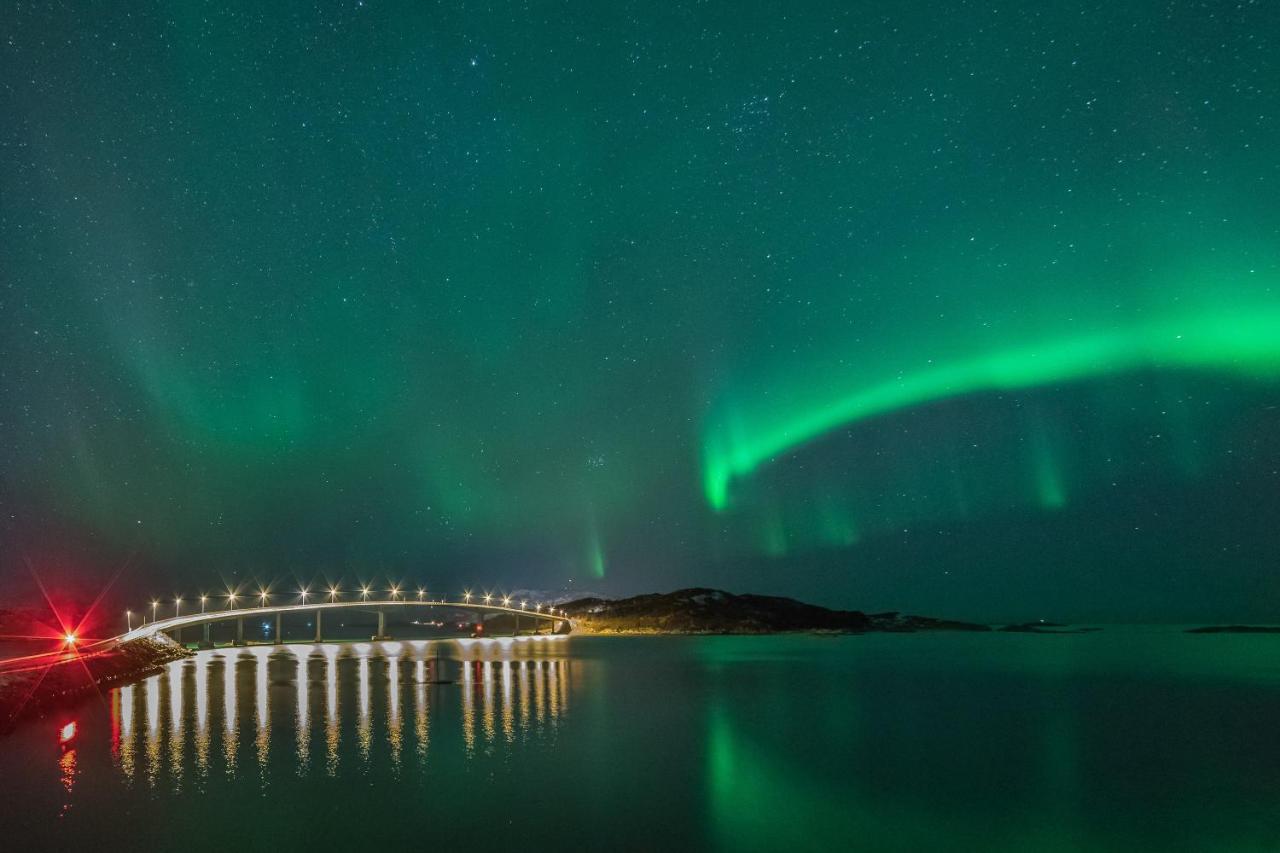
[{"x": 540, "y": 617}]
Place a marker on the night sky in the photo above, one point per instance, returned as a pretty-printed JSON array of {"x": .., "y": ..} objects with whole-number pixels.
[{"x": 965, "y": 309}]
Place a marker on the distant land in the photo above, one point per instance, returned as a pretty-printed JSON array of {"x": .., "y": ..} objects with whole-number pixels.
[{"x": 714, "y": 611}]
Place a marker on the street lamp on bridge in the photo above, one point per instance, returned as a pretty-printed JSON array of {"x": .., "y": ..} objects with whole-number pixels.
[
  {"x": 303, "y": 593},
  {"x": 128, "y": 619},
  {"x": 231, "y": 599},
  {"x": 364, "y": 593},
  {"x": 262, "y": 596},
  {"x": 333, "y": 593},
  {"x": 203, "y": 600},
  {"x": 177, "y": 606},
  {"x": 155, "y": 602},
  {"x": 466, "y": 596},
  {"x": 421, "y": 592},
  {"x": 395, "y": 592},
  {"x": 488, "y": 596}
]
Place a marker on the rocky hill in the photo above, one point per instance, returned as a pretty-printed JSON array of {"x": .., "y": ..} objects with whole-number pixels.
[{"x": 713, "y": 611}]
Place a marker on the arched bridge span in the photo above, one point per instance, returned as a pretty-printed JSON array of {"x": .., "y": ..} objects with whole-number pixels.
[{"x": 556, "y": 622}]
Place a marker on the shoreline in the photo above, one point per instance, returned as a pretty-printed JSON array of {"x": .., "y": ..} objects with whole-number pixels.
[{"x": 38, "y": 691}]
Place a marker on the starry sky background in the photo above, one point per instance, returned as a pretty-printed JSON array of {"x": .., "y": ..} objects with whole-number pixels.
[{"x": 967, "y": 309}]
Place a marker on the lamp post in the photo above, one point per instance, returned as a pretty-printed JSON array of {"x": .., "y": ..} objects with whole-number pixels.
[
  {"x": 421, "y": 593},
  {"x": 262, "y": 597},
  {"x": 177, "y": 606},
  {"x": 128, "y": 619},
  {"x": 466, "y": 596},
  {"x": 333, "y": 594},
  {"x": 203, "y": 600},
  {"x": 154, "y": 604}
]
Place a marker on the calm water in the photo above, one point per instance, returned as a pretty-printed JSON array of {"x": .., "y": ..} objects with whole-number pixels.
[{"x": 1128, "y": 739}]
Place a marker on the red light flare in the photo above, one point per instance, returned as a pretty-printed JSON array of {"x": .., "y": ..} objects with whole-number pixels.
[
  {"x": 68, "y": 636},
  {"x": 68, "y": 631}
]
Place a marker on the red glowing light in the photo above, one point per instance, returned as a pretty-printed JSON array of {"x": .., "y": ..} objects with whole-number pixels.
[
  {"x": 67, "y": 732},
  {"x": 70, "y": 639}
]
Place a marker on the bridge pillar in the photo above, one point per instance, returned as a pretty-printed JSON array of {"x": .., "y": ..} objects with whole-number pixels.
[
  {"x": 319, "y": 613},
  {"x": 516, "y": 631},
  {"x": 277, "y": 629},
  {"x": 239, "y": 632},
  {"x": 207, "y": 643},
  {"x": 382, "y": 627}
]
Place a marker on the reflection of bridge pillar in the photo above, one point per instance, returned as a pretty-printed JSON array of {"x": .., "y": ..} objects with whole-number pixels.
[
  {"x": 240, "y": 631},
  {"x": 319, "y": 613},
  {"x": 277, "y": 628}
]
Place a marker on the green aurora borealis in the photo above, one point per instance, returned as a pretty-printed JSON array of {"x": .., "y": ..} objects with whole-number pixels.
[{"x": 918, "y": 306}]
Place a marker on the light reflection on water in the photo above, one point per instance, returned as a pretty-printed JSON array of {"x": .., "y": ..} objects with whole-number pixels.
[
  {"x": 1138, "y": 740},
  {"x": 179, "y": 733}
]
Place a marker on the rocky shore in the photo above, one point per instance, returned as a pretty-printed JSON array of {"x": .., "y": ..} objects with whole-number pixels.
[{"x": 37, "y": 690}]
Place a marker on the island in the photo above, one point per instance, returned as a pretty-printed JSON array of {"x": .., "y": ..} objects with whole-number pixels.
[
  {"x": 1043, "y": 627},
  {"x": 713, "y": 611}
]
